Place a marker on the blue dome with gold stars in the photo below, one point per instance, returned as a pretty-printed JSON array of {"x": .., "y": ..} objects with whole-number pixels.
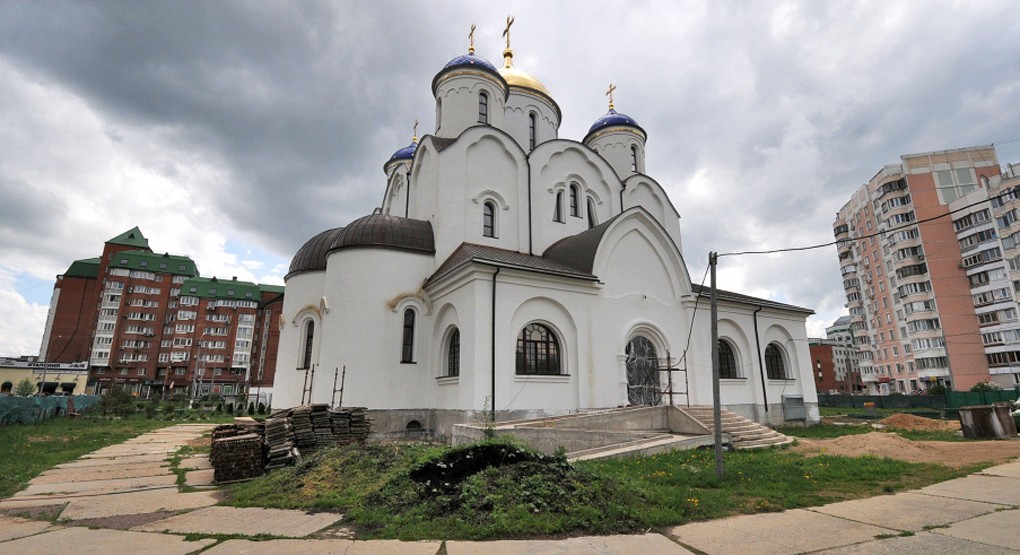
[
  {"x": 405, "y": 153},
  {"x": 613, "y": 118},
  {"x": 470, "y": 60}
]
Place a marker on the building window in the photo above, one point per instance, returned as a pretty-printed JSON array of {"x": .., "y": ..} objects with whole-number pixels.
[
  {"x": 306, "y": 361},
  {"x": 775, "y": 365},
  {"x": 591, "y": 214},
  {"x": 558, "y": 210},
  {"x": 453, "y": 354},
  {"x": 727, "y": 361},
  {"x": 532, "y": 130},
  {"x": 633, "y": 159},
  {"x": 7, "y": 387},
  {"x": 407, "y": 346},
  {"x": 489, "y": 219},
  {"x": 574, "y": 207},
  {"x": 483, "y": 108},
  {"x": 538, "y": 351}
]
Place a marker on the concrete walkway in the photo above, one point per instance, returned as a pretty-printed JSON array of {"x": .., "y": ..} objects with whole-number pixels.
[{"x": 124, "y": 499}]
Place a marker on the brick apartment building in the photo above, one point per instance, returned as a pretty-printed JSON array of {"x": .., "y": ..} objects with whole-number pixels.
[
  {"x": 919, "y": 248},
  {"x": 149, "y": 322}
]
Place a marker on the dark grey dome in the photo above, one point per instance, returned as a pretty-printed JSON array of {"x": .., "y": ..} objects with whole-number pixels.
[
  {"x": 312, "y": 255},
  {"x": 387, "y": 232}
]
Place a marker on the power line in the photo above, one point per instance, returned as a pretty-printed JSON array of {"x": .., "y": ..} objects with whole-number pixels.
[{"x": 871, "y": 235}]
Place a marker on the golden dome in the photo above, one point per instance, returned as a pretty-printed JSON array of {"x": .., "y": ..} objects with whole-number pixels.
[{"x": 518, "y": 77}]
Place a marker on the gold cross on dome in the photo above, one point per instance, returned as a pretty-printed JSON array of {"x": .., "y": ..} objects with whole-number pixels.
[
  {"x": 471, "y": 40},
  {"x": 506, "y": 32},
  {"x": 609, "y": 93}
]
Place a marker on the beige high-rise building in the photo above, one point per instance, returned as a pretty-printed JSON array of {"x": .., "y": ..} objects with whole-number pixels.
[{"x": 907, "y": 270}]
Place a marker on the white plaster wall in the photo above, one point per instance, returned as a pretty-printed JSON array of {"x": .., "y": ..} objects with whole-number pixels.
[
  {"x": 395, "y": 197},
  {"x": 367, "y": 290},
  {"x": 459, "y": 94},
  {"x": 556, "y": 164},
  {"x": 645, "y": 192},
  {"x": 615, "y": 147},
  {"x": 302, "y": 300},
  {"x": 517, "y": 120}
]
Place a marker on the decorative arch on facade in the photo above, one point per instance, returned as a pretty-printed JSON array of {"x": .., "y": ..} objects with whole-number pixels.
[
  {"x": 597, "y": 175},
  {"x": 447, "y": 321},
  {"x": 743, "y": 350},
  {"x": 653, "y": 334},
  {"x": 780, "y": 339},
  {"x": 638, "y": 221},
  {"x": 554, "y": 316}
]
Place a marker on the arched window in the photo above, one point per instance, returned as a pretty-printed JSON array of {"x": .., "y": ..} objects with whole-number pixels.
[
  {"x": 483, "y": 107},
  {"x": 558, "y": 209},
  {"x": 306, "y": 361},
  {"x": 591, "y": 214},
  {"x": 538, "y": 351},
  {"x": 489, "y": 219},
  {"x": 727, "y": 361},
  {"x": 532, "y": 130},
  {"x": 453, "y": 354},
  {"x": 407, "y": 345},
  {"x": 633, "y": 159},
  {"x": 439, "y": 112},
  {"x": 574, "y": 208},
  {"x": 7, "y": 387},
  {"x": 775, "y": 364}
]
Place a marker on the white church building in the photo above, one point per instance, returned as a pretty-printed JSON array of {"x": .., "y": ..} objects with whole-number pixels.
[{"x": 510, "y": 269}]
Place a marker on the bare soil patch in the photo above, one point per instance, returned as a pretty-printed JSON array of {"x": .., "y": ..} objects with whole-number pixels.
[
  {"x": 912, "y": 422},
  {"x": 885, "y": 444}
]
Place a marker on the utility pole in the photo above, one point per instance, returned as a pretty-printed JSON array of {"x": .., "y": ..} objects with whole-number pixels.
[{"x": 713, "y": 259}]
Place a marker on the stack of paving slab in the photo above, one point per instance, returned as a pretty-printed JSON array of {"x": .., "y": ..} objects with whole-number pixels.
[
  {"x": 236, "y": 454},
  {"x": 304, "y": 433},
  {"x": 349, "y": 425},
  {"x": 279, "y": 441}
]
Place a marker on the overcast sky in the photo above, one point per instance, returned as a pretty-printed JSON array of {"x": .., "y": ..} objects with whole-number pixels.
[{"x": 234, "y": 131}]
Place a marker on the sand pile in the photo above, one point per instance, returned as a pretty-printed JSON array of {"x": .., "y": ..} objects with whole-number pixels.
[
  {"x": 885, "y": 444},
  {"x": 911, "y": 422}
]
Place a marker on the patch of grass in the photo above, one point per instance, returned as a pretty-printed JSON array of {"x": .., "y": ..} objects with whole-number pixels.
[
  {"x": 843, "y": 411},
  {"x": 30, "y": 449},
  {"x": 372, "y": 485}
]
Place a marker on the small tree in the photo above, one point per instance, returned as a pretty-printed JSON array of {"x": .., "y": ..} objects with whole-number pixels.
[
  {"x": 985, "y": 386},
  {"x": 119, "y": 401},
  {"x": 25, "y": 388}
]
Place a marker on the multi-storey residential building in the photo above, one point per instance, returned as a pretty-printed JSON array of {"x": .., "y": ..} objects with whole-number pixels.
[
  {"x": 905, "y": 274},
  {"x": 986, "y": 226},
  {"x": 843, "y": 356},
  {"x": 149, "y": 322}
]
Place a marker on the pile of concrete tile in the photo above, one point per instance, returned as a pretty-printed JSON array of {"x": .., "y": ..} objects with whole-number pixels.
[
  {"x": 235, "y": 454},
  {"x": 349, "y": 425},
  {"x": 304, "y": 433},
  {"x": 278, "y": 440}
]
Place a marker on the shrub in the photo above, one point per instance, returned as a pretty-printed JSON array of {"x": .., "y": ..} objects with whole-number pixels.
[
  {"x": 25, "y": 388},
  {"x": 117, "y": 401},
  {"x": 937, "y": 389},
  {"x": 262, "y": 408},
  {"x": 151, "y": 409},
  {"x": 251, "y": 409},
  {"x": 985, "y": 386}
]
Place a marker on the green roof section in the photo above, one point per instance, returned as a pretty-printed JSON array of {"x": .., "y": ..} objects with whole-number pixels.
[
  {"x": 153, "y": 262},
  {"x": 85, "y": 268},
  {"x": 271, "y": 288},
  {"x": 213, "y": 288},
  {"x": 131, "y": 238}
]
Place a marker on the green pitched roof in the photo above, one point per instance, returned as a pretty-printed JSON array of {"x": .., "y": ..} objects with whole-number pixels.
[
  {"x": 152, "y": 262},
  {"x": 131, "y": 238},
  {"x": 213, "y": 288},
  {"x": 85, "y": 268},
  {"x": 271, "y": 288}
]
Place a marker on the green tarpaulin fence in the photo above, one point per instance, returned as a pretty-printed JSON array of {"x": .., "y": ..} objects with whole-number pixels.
[
  {"x": 26, "y": 410},
  {"x": 951, "y": 399}
]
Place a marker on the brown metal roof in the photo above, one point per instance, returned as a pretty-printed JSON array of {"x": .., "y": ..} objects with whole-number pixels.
[
  {"x": 388, "y": 232},
  {"x": 312, "y": 255},
  {"x": 747, "y": 299},
  {"x": 468, "y": 253},
  {"x": 578, "y": 251}
]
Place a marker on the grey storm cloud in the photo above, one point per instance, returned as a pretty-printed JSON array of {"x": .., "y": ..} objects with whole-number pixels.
[{"x": 763, "y": 117}]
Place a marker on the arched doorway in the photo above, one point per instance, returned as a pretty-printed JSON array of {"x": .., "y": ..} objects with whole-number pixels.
[{"x": 642, "y": 375}]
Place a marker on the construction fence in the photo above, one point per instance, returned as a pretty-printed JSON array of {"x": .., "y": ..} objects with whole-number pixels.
[
  {"x": 950, "y": 399},
  {"x": 28, "y": 410}
]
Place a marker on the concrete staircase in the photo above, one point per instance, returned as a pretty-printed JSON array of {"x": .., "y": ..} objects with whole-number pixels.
[{"x": 743, "y": 433}]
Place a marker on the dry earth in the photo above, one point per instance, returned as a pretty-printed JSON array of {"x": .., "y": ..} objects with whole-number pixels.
[{"x": 889, "y": 444}]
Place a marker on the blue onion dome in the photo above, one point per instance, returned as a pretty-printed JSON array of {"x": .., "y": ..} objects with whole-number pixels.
[
  {"x": 470, "y": 59},
  {"x": 406, "y": 153},
  {"x": 612, "y": 118}
]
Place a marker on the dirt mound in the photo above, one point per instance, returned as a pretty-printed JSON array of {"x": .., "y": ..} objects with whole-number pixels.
[
  {"x": 912, "y": 422},
  {"x": 885, "y": 444}
]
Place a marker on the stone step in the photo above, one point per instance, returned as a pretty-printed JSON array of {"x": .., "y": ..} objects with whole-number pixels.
[{"x": 743, "y": 433}]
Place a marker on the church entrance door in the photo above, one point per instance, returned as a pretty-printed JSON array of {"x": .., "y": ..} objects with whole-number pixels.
[{"x": 642, "y": 375}]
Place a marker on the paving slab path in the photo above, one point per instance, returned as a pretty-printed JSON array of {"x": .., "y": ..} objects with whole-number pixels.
[{"x": 131, "y": 485}]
